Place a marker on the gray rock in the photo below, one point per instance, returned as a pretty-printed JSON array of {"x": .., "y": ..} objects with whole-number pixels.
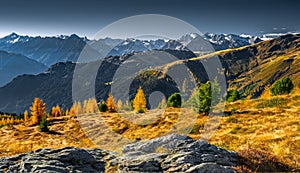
[
  {"x": 67, "y": 159},
  {"x": 168, "y": 142},
  {"x": 172, "y": 153}
]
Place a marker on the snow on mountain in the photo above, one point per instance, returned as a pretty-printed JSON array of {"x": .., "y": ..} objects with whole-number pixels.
[
  {"x": 50, "y": 50},
  {"x": 225, "y": 41},
  {"x": 270, "y": 36}
]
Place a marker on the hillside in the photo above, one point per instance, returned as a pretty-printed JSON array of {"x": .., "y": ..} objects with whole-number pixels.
[
  {"x": 263, "y": 132},
  {"x": 55, "y": 85},
  {"x": 12, "y": 65},
  {"x": 252, "y": 68}
]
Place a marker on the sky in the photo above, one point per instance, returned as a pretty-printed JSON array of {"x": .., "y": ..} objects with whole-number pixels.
[{"x": 85, "y": 18}]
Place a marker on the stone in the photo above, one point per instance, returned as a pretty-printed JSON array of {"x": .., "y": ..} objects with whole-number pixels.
[{"x": 177, "y": 153}]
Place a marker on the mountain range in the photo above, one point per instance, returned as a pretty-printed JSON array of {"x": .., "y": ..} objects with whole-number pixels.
[
  {"x": 50, "y": 50},
  {"x": 250, "y": 69},
  {"x": 46, "y": 51}
]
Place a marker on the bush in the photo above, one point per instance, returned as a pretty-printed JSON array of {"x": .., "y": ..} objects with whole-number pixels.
[
  {"x": 233, "y": 95},
  {"x": 103, "y": 107},
  {"x": 44, "y": 125},
  {"x": 174, "y": 100},
  {"x": 259, "y": 161},
  {"x": 140, "y": 110},
  {"x": 282, "y": 86}
]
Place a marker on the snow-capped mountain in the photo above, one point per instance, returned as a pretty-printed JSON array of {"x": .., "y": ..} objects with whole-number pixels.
[
  {"x": 270, "y": 36},
  {"x": 50, "y": 50},
  {"x": 46, "y": 50},
  {"x": 225, "y": 41}
]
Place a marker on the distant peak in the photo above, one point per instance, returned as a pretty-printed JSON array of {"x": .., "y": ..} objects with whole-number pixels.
[
  {"x": 74, "y": 36},
  {"x": 13, "y": 35}
]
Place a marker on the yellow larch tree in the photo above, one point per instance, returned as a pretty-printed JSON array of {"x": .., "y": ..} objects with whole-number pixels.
[
  {"x": 38, "y": 110},
  {"x": 266, "y": 93},
  {"x": 90, "y": 106},
  {"x": 139, "y": 102},
  {"x": 26, "y": 117},
  {"x": 3, "y": 122},
  {"x": 76, "y": 109},
  {"x": 119, "y": 104},
  {"x": 110, "y": 103},
  {"x": 67, "y": 112},
  {"x": 93, "y": 106},
  {"x": 56, "y": 111},
  {"x": 12, "y": 121}
]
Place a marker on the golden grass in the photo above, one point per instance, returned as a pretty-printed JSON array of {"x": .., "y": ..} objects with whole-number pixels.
[{"x": 270, "y": 129}]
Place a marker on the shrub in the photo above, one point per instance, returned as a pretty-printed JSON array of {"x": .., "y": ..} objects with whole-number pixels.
[
  {"x": 44, "y": 125},
  {"x": 174, "y": 100},
  {"x": 140, "y": 110},
  {"x": 233, "y": 95},
  {"x": 103, "y": 107},
  {"x": 282, "y": 86},
  {"x": 260, "y": 161}
]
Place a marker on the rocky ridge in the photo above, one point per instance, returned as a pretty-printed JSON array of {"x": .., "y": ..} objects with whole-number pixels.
[{"x": 172, "y": 153}]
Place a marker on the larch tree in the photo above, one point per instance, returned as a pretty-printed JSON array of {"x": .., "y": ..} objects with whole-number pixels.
[
  {"x": 56, "y": 111},
  {"x": 12, "y": 121},
  {"x": 38, "y": 110},
  {"x": 67, "y": 112},
  {"x": 110, "y": 103},
  {"x": 139, "y": 102},
  {"x": 119, "y": 104},
  {"x": 3, "y": 122},
  {"x": 26, "y": 117}
]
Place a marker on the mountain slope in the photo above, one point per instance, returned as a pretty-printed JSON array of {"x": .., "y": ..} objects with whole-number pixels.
[
  {"x": 55, "y": 86},
  {"x": 12, "y": 65},
  {"x": 252, "y": 68}
]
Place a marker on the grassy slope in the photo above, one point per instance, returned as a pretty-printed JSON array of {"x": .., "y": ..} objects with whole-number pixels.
[
  {"x": 251, "y": 68},
  {"x": 271, "y": 125}
]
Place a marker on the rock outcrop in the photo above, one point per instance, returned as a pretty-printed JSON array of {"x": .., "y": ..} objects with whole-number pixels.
[{"x": 172, "y": 153}]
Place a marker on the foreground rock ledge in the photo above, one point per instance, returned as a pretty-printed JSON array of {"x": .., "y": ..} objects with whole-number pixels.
[{"x": 172, "y": 153}]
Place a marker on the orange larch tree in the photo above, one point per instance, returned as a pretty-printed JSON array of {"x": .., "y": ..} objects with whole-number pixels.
[
  {"x": 38, "y": 110},
  {"x": 110, "y": 103}
]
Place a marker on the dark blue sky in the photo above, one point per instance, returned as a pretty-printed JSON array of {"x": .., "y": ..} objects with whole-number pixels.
[{"x": 85, "y": 18}]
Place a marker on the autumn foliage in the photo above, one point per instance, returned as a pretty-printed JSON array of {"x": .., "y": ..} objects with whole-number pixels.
[
  {"x": 26, "y": 117},
  {"x": 110, "y": 103},
  {"x": 139, "y": 102},
  {"x": 90, "y": 106},
  {"x": 38, "y": 110},
  {"x": 56, "y": 112},
  {"x": 75, "y": 110}
]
